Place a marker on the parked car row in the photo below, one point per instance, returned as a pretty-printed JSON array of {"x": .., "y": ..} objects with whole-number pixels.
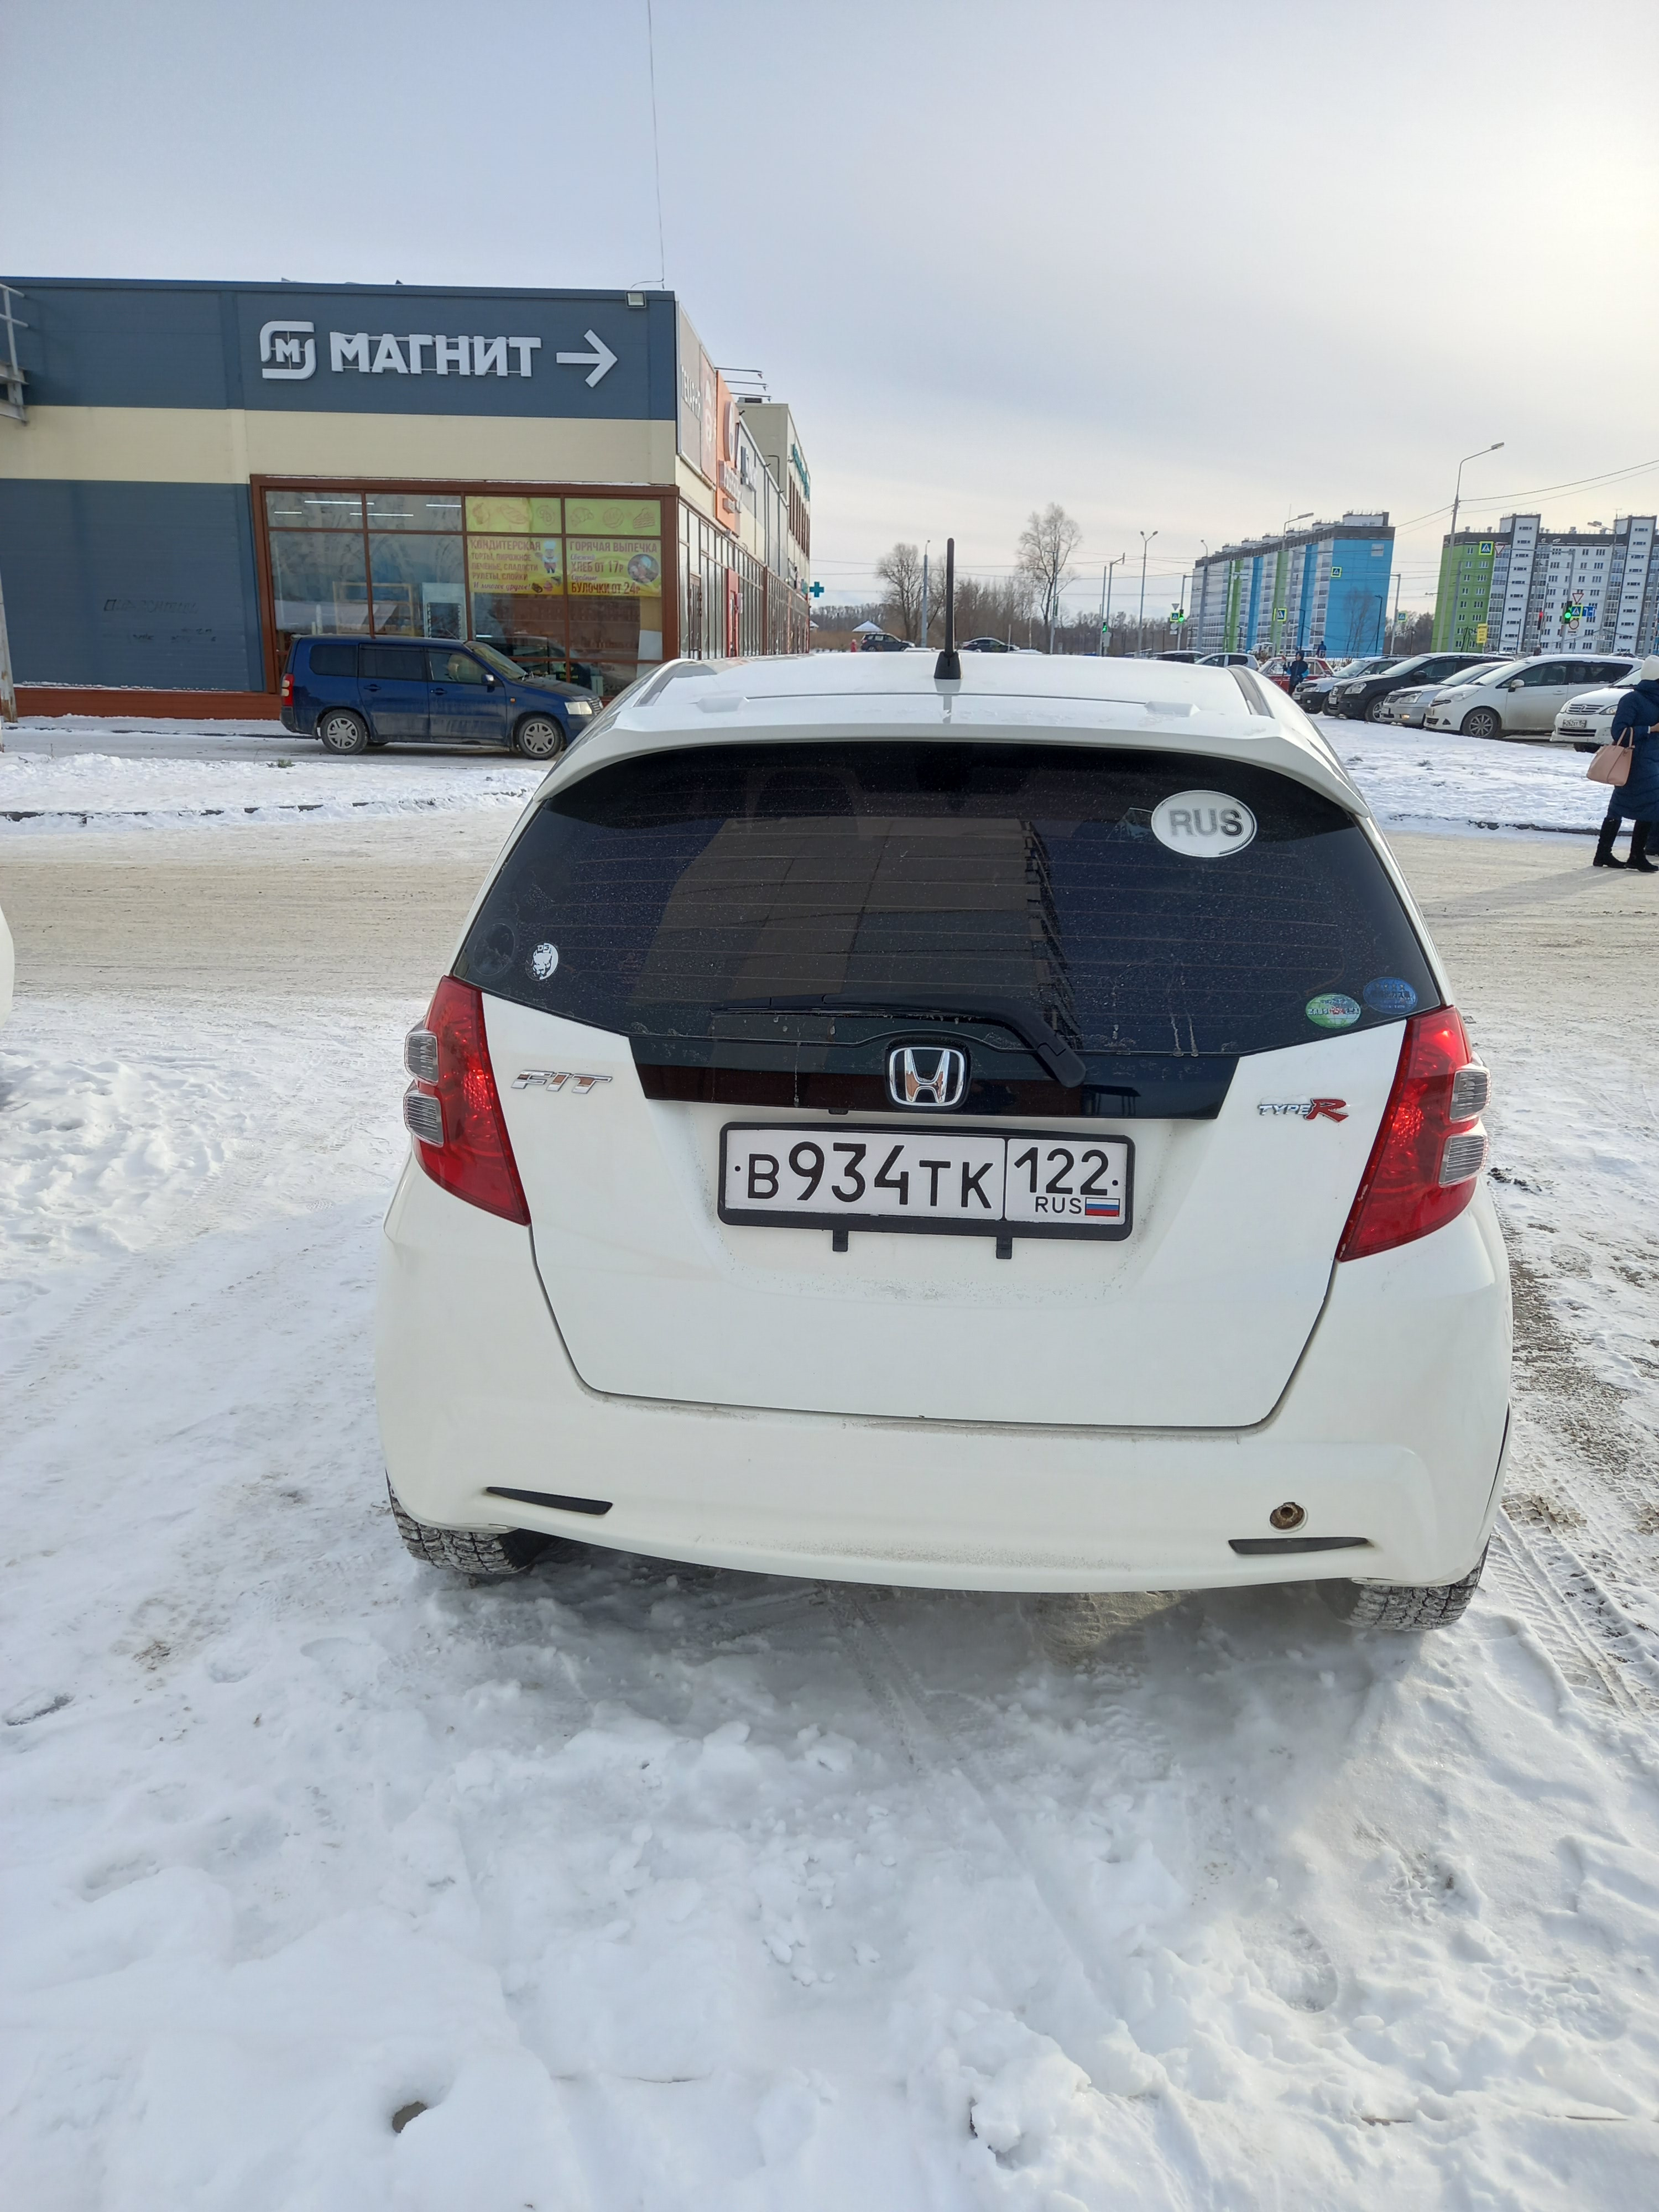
[{"x": 1557, "y": 698}]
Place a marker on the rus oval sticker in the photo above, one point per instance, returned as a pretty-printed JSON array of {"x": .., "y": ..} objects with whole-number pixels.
[{"x": 1205, "y": 824}]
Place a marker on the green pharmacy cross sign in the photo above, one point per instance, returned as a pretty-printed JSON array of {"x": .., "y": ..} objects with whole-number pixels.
[{"x": 818, "y": 591}]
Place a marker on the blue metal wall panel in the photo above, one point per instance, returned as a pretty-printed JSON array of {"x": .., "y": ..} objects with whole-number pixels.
[
  {"x": 1249, "y": 637},
  {"x": 197, "y": 345},
  {"x": 1357, "y": 606},
  {"x": 142, "y": 584}
]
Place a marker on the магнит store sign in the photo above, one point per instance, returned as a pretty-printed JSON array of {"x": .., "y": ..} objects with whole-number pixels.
[{"x": 288, "y": 354}]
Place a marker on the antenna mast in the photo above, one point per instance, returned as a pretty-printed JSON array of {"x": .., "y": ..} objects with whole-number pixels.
[{"x": 947, "y": 669}]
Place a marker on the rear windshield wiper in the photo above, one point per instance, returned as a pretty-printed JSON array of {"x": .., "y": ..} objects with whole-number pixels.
[{"x": 1065, "y": 1065}]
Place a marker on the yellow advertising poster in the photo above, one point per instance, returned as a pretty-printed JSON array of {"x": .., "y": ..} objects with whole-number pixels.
[
  {"x": 614, "y": 568},
  {"x": 491, "y": 511},
  {"x": 617, "y": 518},
  {"x": 517, "y": 566}
]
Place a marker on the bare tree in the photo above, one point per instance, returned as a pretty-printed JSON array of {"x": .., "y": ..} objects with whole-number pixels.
[
  {"x": 901, "y": 571},
  {"x": 1044, "y": 563}
]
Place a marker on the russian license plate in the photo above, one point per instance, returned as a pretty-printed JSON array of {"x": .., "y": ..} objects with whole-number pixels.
[{"x": 950, "y": 1182}]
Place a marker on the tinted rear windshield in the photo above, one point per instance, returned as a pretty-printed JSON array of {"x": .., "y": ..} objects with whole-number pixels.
[{"x": 654, "y": 896}]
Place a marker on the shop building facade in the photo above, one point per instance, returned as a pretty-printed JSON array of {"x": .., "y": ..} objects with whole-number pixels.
[{"x": 199, "y": 473}]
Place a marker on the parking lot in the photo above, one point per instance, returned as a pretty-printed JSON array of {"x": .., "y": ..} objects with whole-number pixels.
[{"x": 688, "y": 1888}]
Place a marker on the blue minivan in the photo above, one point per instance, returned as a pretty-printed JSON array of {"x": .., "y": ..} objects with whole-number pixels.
[{"x": 350, "y": 693}]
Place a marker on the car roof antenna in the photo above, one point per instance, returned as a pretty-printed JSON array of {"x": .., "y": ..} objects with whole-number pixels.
[{"x": 947, "y": 669}]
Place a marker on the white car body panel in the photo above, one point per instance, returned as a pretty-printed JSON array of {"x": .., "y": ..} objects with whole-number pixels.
[
  {"x": 1085, "y": 1416},
  {"x": 1393, "y": 1430},
  {"x": 1587, "y": 717},
  {"x": 657, "y": 1298}
]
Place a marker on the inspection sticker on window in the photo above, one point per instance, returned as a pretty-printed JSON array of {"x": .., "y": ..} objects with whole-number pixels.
[{"x": 1206, "y": 825}]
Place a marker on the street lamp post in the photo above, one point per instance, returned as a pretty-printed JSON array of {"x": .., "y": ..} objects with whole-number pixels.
[
  {"x": 1458, "y": 493},
  {"x": 1147, "y": 538},
  {"x": 1106, "y": 603}
]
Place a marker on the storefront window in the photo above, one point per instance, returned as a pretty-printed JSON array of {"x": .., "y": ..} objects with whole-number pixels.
[
  {"x": 570, "y": 588},
  {"x": 414, "y": 510},
  {"x": 314, "y": 510},
  {"x": 419, "y": 588},
  {"x": 319, "y": 581}
]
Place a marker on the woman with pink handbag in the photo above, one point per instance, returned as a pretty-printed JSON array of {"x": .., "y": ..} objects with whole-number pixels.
[{"x": 1629, "y": 764}]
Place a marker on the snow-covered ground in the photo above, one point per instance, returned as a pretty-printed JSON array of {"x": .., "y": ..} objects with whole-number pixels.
[
  {"x": 255, "y": 782},
  {"x": 666, "y": 1890},
  {"x": 105, "y": 775}
]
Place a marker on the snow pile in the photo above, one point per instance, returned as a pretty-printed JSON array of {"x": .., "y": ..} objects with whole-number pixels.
[
  {"x": 1417, "y": 779},
  {"x": 106, "y": 791},
  {"x": 629, "y": 1886}
]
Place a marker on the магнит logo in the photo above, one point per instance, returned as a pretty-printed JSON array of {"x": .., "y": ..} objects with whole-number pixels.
[{"x": 288, "y": 352}]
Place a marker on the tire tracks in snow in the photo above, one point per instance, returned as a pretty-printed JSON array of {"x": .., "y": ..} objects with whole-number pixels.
[
  {"x": 1561, "y": 1548},
  {"x": 940, "y": 1753}
]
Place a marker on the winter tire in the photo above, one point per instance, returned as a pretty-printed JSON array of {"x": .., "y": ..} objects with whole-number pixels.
[
  {"x": 339, "y": 730},
  {"x": 1402, "y": 1606},
  {"x": 540, "y": 737},
  {"x": 1482, "y": 722},
  {"x": 492, "y": 1554},
  {"x": 1577, "y": 748},
  {"x": 1374, "y": 710}
]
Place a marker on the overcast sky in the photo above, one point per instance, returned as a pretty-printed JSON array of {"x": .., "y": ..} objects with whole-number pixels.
[{"x": 1190, "y": 270}]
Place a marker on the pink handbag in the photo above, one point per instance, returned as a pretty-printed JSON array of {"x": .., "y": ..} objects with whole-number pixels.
[{"x": 1612, "y": 764}]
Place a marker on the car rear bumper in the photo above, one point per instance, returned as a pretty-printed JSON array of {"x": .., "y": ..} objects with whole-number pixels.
[{"x": 1392, "y": 1430}]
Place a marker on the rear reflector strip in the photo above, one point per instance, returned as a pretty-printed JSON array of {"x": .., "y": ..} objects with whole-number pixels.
[
  {"x": 1252, "y": 1546},
  {"x": 552, "y": 1500}
]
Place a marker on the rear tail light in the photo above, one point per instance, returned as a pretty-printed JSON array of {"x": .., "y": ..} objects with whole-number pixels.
[
  {"x": 288, "y": 688},
  {"x": 1431, "y": 1148},
  {"x": 452, "y": 1109}
]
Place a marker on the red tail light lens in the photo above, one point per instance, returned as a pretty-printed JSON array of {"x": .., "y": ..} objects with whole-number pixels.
[
  {"x": 288, "y": 688},
  {"x": 474, "y": 1157},
  {"x": 1431, "y": 1148}
]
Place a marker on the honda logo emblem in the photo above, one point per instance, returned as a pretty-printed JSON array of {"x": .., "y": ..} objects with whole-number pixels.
[{"x": 934, "y": 1076}]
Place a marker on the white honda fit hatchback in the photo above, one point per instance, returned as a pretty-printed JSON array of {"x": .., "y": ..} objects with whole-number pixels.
[{"x": 1003, "y": 1134}]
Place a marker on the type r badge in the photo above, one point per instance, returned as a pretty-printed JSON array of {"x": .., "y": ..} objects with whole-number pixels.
[
  {"x": 1306, "y": 1109},
  {"x": 555, "y": 1079}
]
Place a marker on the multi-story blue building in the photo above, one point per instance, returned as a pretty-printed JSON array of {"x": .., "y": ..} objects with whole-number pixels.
[{"x": 1324, "y": 588}]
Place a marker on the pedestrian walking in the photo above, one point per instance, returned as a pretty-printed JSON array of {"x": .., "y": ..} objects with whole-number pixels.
[
  {"x": 1635, "y": 723},
  {"x": 1297, "y": 670}
]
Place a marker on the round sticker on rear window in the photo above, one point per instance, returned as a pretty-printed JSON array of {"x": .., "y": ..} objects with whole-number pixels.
[
  {"x": 543, "y": 961},
  {"x": 1333, "y": 1010},
  {"x": 1390, "y": 995},
  {"x": 1204, "y": 824}
]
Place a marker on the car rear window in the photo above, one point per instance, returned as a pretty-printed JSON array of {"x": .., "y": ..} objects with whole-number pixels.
[
  {"x": 334, "y": 660},
  {"x": 655, "y": 896}
]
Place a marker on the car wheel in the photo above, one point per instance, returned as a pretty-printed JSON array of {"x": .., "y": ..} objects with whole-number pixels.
[
  {"x": 1404, "y": 1607},
  {"x": 540, "y": 737},
  {"x": 1374, "y": 710},
  {"x": 341, "y": 732},
  {"x": 492, "y": 1553},
  {"x": 1579, "y": 748},
  {"x": 1482, "y": 722}
]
